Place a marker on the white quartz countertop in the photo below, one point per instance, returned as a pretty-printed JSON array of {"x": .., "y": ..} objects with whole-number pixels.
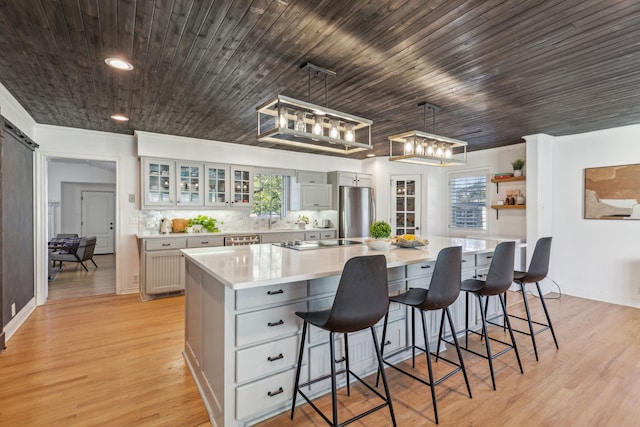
[
  {"x": 231, "y": 233},
  {"x": 243, "y": 267}
]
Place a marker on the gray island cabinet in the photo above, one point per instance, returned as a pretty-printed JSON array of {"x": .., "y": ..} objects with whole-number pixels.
[{"x": 242, "y": 335}]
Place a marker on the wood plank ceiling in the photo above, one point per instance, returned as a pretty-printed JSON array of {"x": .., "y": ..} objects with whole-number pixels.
[{"x": 500, "y": 69}]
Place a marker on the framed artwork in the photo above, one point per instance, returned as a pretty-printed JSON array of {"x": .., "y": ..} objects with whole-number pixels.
[{"x": 612, "y": 192}]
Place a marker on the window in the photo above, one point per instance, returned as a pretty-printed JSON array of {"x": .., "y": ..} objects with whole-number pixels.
[
  {"x": 268, "y": 195},
  {"x": 468, "y": 201}
]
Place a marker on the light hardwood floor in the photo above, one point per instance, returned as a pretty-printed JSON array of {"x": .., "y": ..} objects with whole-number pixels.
[
  {"x": 117, "y": 361},
  {"x": 74, "y": 282}
]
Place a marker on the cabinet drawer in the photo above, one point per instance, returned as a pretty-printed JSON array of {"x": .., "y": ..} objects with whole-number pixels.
[
  {"x": 315, "y": 235},
  {"x": 264, "y": 359},
  {"x": 269, "y": 393},
  {"x": 328, "y": 234},
  {"x": 468, "y": 261},
  {"x": 323, "y": 285},
  {"x": 247, "y": 298},
  {"x": 163, "y": 244},
  {"x": 205, "y": 241},
  {"x": 484, "y": 259},
  {"x": 421, "y": 269},
  {"x": 268, "y": 324}
]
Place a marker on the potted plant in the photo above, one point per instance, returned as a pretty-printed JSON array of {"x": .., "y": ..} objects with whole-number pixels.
[
  {"x": 303, "y": 221},
  {"x": 380, "y": 232},
  {"x": 204, "y": 222},
  {"x": 517, "y": 164}
]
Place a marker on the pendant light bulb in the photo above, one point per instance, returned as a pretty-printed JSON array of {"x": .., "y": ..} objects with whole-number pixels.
[
  {"x": 282, "y": 117},
  {"x": 439, "y": 152},
  {"x": 348, "y": 133},
  {"x": 317, "y": 125},
  {"x": 300, "y": 125},
  {"x": 333, "y": 129},
  {"x": 430, "y": 150}
]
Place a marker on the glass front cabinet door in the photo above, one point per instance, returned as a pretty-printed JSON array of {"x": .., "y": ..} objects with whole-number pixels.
[
  {"x": 189, "y": 189},
  {"x": 241, "y": 187},
  {"x": 217, "y": 185},
  {"x": 159, "y": 179}
]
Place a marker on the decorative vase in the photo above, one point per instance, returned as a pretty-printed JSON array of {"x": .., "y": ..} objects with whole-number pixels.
[{"x": 517, "y": 172}]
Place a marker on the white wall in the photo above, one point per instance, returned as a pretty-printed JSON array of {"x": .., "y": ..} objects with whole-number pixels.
[
  {"x": 596, "y": 259},
  {"x": 13, "y": 111}
]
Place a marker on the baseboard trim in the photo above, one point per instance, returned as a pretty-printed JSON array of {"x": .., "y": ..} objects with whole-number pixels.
[
  {"x": 21, "y": 317},
  {"x": 2, "y": 347}
]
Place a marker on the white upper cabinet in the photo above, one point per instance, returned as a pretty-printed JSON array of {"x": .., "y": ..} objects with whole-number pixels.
[
  {"x": 217, "y": 185},
  {"x": 310, "y": 196},
  {"x": 167, "y": 183},
  {"x": 158, "y": 183},
  {"x": 311, "y": 177},
  {"x": 189, "y": 184},
  {"x": 350, "y": 179}
]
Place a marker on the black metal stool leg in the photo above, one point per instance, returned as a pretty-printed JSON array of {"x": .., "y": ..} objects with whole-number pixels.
[
  {"x": 440, "y": 336},
  {"x": 526, "y": 307},
  {"x": 413, "y": 337},
  {"x": 429, "y": 366},
  {"x": 455, "y": 341},
  {"x": 466, "y": 320},
  {"x": 346, "y": 355},
  {"x": 513, "y": 338},
  {"x": 384, "y": 337},
  {"x": 486, "y": 341},
  {"x": 382, "y": 372},
  {"x": 546, "y": 313},
  {"x": 334, "y": 393},
  {"x": 295, "y": 385}
]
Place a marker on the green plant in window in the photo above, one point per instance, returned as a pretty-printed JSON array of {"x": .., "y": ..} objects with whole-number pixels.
[{"x": 208, "y": 223}]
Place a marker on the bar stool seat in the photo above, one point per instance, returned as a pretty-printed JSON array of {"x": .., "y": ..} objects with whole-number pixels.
[
  {"x": 360, "y": 302},
  {"x": 443, "y": 290}
]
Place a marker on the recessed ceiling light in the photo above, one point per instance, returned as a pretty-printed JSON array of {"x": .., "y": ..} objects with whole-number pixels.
[
  {"x": 120, "y": 64},
  {"x": 120, "y": 117}
]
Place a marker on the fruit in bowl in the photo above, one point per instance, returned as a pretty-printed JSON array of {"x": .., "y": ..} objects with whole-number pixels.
[{"x": 410, "y": 241}]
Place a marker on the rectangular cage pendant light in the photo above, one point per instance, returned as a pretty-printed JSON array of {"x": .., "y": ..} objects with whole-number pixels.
[
  {"x": 289, "y": 121},
  {"x": 426, "y": 148}
]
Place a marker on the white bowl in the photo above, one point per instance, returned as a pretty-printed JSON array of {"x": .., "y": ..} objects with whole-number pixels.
[{"x": 378, "y": 244}]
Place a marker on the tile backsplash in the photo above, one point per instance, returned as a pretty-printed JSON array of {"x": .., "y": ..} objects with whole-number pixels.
[{"x": 232, "y": 220}]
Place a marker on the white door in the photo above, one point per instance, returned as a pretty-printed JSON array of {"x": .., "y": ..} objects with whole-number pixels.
[
  {"x": 406, "y": 202},
  {"x": 98, "y": 219}
]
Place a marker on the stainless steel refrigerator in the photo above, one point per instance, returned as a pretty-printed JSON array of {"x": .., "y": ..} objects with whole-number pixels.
[{"x": 356, "y": 211}]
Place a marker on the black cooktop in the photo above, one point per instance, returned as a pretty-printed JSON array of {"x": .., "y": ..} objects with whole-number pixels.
[{"x": 304, "y": 245}]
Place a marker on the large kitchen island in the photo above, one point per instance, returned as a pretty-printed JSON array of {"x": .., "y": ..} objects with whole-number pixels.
[{"x": 242, "y": 335}]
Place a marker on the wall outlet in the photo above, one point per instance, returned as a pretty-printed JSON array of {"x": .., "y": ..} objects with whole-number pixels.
[
  {"x": 13, "y": 310},
  {"x": 133, "y": 220},
  {"x": 136, "y": 278},
  {"x": 132, "y": 198}
]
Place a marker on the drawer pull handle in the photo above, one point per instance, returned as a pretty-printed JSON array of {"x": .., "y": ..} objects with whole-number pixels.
[
  {"x": 425, "y": 266},
  {"x": 204, "y": 243},
  {"x": 342, "y": 359},
  {"x": 275, "y": 393},
  {"x": 387, "y": 342},
  {"x": 464, "y": 260},
  {"x": 279, "y": 291},
  {"x": 489, "y": 256},
  {"x": 279, "y": 322},
  {"x": 273, "y": 359},
  {"x": 166, "y": 244}
]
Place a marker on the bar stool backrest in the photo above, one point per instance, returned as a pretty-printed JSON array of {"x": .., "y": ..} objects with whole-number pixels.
[
  {"x": 500, "y": 276},
  {"x": 539, "y": 267},
  {"x": 362, "y": 298},
  {"x": 445, "y": 281}
]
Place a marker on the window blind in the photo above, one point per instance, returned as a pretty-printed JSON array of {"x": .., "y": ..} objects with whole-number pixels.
[{"x": 468, "y": 202}]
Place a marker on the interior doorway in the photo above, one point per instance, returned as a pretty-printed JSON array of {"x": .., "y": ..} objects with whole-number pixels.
[{"x": 81, "y": 199}]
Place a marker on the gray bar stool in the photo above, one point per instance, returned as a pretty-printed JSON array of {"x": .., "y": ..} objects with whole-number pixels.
[
  {"x": 499, "y": 279},
  {"x": 443, "y": 290},
  {"x": 360, "y": 302},
  {"x": 538, "y": 270}
]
